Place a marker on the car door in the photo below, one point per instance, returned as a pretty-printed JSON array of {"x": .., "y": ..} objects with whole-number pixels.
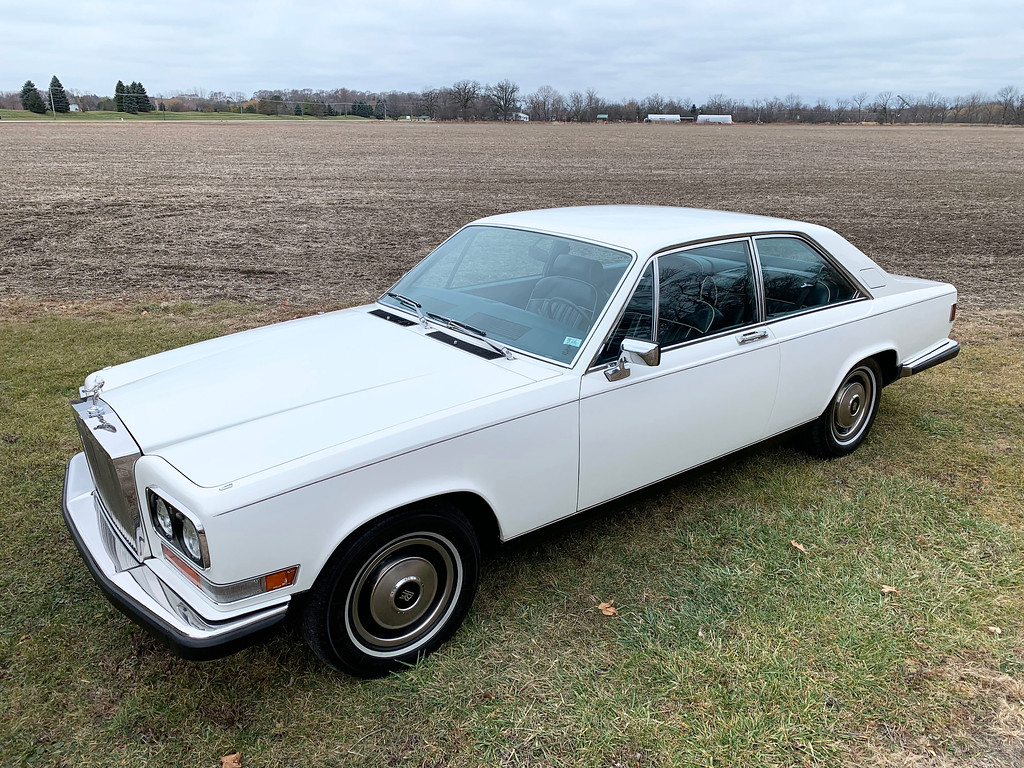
[
  {"x": 812, "y": 307},
  {"x": 713, "y": 391}
]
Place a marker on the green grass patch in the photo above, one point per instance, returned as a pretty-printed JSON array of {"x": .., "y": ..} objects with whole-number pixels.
[{"x": 731, "y": 647}]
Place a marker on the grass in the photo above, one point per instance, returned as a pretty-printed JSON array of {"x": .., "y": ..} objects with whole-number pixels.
[
  {"x": 731, "y": 647},
  {"x": 102, "y": 115}
]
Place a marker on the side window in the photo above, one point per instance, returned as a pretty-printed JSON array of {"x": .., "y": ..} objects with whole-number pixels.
[
  {"x": 703, "y": 291},
  {"x": 797, "y": 277},
  {"x": 637, "y": 320}
]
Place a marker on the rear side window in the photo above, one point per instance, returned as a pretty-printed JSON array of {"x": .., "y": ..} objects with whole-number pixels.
[
  {"x": 798, "y": 278},
  {"x": 703, "y": 291}
]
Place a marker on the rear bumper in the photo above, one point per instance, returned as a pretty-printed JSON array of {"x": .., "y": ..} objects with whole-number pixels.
[
  {"x": 947, "y": 350},
  {"x": 137, "y": 592}
]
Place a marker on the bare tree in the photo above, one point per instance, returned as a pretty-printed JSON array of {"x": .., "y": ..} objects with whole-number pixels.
[
  {"x": 1008, "y": 96},
  {"x": 793, "y": 106},
  {"x": 821, "y": 112},
  {"x": 574, "y": 106},
  {"x": 429, "y": 102},
  {"x": 504, "y": 99},
  {"x": 973, "y": 104},
  {"x": 883, "y": 107},
  {"x": 936, "y": 107},
  {"x": 463, "y": 94},
  {"x": 719, "y": 104},
  {"x": 840, "y": 111},
  {"x": 541, "y": 104},
  {"x": 592, "y": 104},
  {"x": 859, "y": 100},
  {"x": 654, "y": 104}
]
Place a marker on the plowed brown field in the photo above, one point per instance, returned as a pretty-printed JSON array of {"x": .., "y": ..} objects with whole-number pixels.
[{"x": 327, "y": 214}]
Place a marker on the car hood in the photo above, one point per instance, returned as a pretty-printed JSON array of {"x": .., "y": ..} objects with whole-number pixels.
[{"x": 230, "y": 407}]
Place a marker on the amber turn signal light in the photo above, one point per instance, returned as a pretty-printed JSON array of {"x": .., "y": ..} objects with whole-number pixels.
[{"x": 280, "y": 579}]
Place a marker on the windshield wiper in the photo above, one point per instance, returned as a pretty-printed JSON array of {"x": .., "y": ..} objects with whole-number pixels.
[
  {"x": 476, "y": 333},
  {"x": 415, "y": 306}
]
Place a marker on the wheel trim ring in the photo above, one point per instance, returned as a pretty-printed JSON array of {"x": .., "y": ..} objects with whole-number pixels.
[
  {"x": 429, "y": 622},
  {"x": 853, "y": 405}
]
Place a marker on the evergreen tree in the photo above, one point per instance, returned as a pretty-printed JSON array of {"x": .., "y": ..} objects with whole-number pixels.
[
  {"x": 380, "y": 110},
  {"x": 142, "y": 102},
  {"x": 131, "y": 104},
  {"x": 361, "y": 109},
  {"x": 31, "y": 100},
  {"x": 119, "y": 96},
  {"x": 298, "y": 110},
  {"x": 58, "y": 97}
]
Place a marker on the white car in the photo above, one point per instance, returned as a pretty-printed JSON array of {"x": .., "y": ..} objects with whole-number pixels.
[{"x": 349, "y": 467}]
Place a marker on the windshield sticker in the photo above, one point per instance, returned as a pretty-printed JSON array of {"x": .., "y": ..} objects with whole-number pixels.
[{"x": 571, "y": 341}]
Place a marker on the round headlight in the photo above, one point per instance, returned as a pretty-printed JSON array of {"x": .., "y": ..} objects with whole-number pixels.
[
  {"x": 190, "y": 538},
  {"x": 162, "y": 514}
]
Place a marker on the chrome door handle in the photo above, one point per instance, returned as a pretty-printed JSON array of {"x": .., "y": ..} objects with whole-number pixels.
[{"x": 749, "y": 336}]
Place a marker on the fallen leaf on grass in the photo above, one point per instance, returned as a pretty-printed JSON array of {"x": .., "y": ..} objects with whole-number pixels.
[
  {"x": 798, "y": 545},
  {"x": 234, "y": 760},
  {"x": 996, "y": 631},
  {"x": 607, "y": 610},
  {"x": 887, "y": 590}
]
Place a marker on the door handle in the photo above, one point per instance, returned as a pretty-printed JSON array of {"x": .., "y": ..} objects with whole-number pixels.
[{"x": 749, "y": 336}]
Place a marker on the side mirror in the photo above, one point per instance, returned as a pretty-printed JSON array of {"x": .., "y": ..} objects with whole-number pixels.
[{"x": 637, "y": 352}]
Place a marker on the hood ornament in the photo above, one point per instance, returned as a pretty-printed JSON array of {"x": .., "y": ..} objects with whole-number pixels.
[{"x": 93, "y": 386}]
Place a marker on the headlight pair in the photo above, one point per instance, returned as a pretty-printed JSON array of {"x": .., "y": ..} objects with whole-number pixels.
[{"x": 177, "y": 528}]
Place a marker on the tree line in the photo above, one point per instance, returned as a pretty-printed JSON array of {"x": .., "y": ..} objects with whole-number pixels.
[{"x": 471, "y": 100}]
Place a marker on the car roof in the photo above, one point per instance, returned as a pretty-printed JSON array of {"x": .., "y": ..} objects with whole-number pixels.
[{"x": 645, "y": 228}]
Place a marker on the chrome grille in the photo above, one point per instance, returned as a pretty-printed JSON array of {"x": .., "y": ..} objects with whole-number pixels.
[{"x": 113, "y": 472}]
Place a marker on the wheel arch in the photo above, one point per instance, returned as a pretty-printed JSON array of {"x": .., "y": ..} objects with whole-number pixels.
[
  {"x": 476, "y": 509},
  {"x": 888, "y": 362}
]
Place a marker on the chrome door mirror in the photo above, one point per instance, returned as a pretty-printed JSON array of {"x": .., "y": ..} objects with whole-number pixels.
[
  {"x": 637, "y": 352},
  {"x": 646, "y": 352}
]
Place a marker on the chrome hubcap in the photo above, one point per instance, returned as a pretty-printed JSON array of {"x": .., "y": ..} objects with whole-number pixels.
[
  {"x": 402, "y": 594},
  {"x": 852, "y": 405}
]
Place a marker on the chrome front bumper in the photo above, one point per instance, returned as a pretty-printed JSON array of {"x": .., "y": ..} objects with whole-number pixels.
[{"x": 137, "y": 592}]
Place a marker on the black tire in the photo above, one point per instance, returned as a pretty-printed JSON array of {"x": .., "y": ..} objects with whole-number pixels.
[
  {"x": 395, "y": 592},
  {"x": 850, "y": 413}
]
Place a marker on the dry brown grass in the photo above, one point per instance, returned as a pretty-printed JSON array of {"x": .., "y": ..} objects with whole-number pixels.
[
  {"x": 329, "y": 214},
  {"x": 984, "y": 727}
]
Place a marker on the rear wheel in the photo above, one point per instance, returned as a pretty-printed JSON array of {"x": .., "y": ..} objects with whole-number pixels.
[
  {"x": 395, "y": 592},
  {"x": 849, "y": 416}
]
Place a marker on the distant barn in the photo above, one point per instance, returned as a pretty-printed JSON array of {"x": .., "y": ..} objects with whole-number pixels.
[
  {"x": 726, "y": 119},
  {"x": 663, "y": 119}
]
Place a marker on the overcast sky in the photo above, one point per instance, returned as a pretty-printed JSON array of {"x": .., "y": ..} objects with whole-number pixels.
[{"x": 744, "y": 49}]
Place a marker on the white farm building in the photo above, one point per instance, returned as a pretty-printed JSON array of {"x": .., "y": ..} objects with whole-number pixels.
[{"x": 725, "y": 119}]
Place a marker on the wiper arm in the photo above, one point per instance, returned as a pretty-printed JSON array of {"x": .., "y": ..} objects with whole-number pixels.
[
  {"x": 415, "y": 306},
  {"x": 476, "y": 333}
]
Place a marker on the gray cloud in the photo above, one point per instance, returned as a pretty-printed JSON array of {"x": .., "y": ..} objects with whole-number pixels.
[{"x": 684, "y": 49}]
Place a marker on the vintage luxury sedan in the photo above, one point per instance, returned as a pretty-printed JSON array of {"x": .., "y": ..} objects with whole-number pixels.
[{"x": 347, "y": 468}]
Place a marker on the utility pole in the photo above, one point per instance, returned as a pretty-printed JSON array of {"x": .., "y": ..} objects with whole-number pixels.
[{"x": 50, "y": 91}]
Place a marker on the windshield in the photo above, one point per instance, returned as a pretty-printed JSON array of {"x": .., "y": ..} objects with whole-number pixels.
[{"x": 540, "y": 294}]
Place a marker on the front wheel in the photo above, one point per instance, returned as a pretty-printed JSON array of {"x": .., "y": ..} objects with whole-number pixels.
[
  {"x": 849, "y": 416},
  {"x": 395, "y": 592}
]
